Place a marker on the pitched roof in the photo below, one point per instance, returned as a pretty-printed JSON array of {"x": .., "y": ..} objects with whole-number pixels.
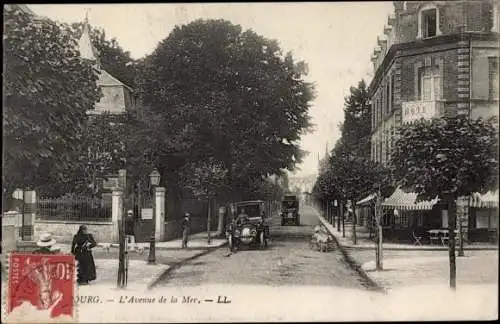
[{"x": 106, "y": 79}]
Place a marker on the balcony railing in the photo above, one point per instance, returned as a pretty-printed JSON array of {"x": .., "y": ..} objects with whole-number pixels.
[{"x": 415, "y": 110}]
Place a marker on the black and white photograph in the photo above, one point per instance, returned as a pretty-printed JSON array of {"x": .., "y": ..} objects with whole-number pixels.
[{"x": 251, "y": 161}]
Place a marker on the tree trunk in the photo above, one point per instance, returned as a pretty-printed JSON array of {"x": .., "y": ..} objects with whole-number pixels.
[
  {"x": 343, "y": 218},
  {"x": 338, "y": 218},
  {"x": 452, "y": 217},
  {"x": 354, "y": 221},
  {"x": 209, "y": 239}
]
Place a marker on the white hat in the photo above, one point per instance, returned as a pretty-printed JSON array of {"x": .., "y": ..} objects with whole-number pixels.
[{"x": 45, "y": 240}]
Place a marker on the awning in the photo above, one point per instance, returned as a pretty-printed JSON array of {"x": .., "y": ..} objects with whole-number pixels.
[
  {"x": 366, "y": 200},
  {"x": 488, "y": 200},
  {"x": 406, "y": 201}
]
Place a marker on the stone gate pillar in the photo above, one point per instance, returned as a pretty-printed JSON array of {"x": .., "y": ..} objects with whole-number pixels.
[
  {"x": 160, "y": 214},
  {"x": 116, "y": 212},
  {"x": 29, "y": 215}
]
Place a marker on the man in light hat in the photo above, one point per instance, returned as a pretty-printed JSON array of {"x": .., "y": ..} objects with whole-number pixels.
[{"x": 45, "y": 244}]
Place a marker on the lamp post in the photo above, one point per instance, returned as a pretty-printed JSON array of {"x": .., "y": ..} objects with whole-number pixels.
[{"x": 154, "y": 178}]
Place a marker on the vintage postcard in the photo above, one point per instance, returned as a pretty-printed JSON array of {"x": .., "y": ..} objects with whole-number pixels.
[{"x": 250, "y": 162}]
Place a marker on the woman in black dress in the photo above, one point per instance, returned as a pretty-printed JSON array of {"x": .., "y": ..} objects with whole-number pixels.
[{"x": 81, "y": 248}]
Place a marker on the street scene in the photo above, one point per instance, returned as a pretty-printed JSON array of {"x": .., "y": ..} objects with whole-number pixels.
[{"x": 249, "y": 162}]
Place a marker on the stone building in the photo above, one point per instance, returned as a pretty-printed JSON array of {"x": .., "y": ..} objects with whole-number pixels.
[{"x": 433, "y": 58}]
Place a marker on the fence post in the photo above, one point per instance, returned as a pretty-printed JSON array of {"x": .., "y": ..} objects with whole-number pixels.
[
  {"x": 160, "y": 214},
  {"x": 116, "y": 212}
]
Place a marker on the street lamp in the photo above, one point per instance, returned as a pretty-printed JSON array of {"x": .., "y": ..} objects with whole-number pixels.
[{"x": 154, "y": 178}]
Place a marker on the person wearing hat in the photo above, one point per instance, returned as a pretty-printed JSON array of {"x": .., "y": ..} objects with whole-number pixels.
[
  {"x": 129, "y": 229},
  {"x": 81, "y": 248},
  {"x": 45, "y": 244},
  {"x": 185, "y": 229}
]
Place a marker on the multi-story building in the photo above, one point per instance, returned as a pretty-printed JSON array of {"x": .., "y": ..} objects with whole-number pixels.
[{"x": 433, "y": 58}]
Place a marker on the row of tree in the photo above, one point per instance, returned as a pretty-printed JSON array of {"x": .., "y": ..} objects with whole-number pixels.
[
  {"x": 349, "y": 173},
  {"x": 448, "y": 158},
  {"x": 220, "y": 109}
]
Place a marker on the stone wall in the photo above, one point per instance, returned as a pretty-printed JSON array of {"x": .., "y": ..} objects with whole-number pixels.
[{"x": 63, "y": 231}]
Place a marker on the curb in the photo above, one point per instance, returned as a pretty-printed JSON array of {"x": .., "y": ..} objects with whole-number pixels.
[
  {"x": 372, "y": 285},
  {"x": 357, "y": 247},
  {"x": 164, "y": 274},
  {"x": 163, "y": 248}
]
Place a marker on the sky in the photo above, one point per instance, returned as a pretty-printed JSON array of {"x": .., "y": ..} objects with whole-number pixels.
[{"x": 335, "y": 39}]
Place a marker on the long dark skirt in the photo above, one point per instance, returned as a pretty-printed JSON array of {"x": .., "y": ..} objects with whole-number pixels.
[{"x": 86, "y": 267}]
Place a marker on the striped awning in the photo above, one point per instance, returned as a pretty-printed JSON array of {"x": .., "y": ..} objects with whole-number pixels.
[
  {"x": 487, "y": 200},
  {"x": 407, "y": 201},
  {"x": 366, "y": 200}
]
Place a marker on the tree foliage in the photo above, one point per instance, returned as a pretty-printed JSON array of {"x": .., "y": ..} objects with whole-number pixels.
[
  {"x": 356, "y": 128},
  {"x": 451, "y": 156},
  {"x": 218, "y": 92},
  {"x": 47, "y": 91}
]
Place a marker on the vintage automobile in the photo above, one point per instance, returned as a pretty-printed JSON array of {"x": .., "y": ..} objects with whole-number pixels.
[
  {"x": 249, "y": 227},
  {"x": 290, "y": 210}
]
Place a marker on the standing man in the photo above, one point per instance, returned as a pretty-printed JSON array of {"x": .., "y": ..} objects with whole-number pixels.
[
  {"x": 185, "y": 229},
  {"x": 129, "y": 230}
]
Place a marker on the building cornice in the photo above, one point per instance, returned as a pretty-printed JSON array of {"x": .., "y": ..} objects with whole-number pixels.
[{"x": 396, "y": 49}]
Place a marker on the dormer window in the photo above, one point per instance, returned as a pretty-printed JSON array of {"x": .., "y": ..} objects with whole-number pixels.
[{"x": 428, "y": 22}]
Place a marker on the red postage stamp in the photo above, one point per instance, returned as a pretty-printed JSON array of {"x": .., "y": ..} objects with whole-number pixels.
[{"x": 41, "y": 286}]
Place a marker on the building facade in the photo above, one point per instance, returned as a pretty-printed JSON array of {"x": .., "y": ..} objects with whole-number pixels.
[{"x": 434, "y": 58}]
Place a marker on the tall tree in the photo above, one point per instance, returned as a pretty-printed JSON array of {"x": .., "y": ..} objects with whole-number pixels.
[
  {"x": 220, "y": 92},
  {"x": 447, "y": 158},
  {"x": 47, "y": 91},
  {"x": 356, "y": 128}
]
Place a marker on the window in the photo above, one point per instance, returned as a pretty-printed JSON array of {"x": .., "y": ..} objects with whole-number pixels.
[
  {"x": 493, "y": 77},
  {"x": 388, "y": 97},
  {"x": 482, "y": 219},
  {"x": 392, "y": 91},
  {"x": 430, "y": 84},
  {"x": 428, "y": 22}
]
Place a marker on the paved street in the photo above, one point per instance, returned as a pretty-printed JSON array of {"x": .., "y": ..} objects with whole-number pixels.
[{"x": 287, "y": 261}]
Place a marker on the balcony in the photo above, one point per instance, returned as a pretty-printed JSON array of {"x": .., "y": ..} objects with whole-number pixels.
[{"x": 415, "y": 110}]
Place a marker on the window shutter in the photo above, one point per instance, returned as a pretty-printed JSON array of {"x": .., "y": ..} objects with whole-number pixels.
[{"x": 480, "y": 78}]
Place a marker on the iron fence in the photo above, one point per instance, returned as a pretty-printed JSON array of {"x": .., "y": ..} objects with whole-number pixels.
[{"x": 74, "y": 208}]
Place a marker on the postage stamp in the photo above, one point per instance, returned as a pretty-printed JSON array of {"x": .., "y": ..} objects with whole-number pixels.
[{"x": 41, "y": 288}]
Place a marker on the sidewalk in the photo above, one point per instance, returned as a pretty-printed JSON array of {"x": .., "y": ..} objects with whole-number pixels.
[
  {"x": 141, "y": 275},
  {"x": 198, "y": 241},
  {"x": 407, "y": 265}
]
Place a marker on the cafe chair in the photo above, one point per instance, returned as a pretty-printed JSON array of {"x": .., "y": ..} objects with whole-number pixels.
[
  {"x": 445, "y": 238},
  {"x": 416, "y": 239}
]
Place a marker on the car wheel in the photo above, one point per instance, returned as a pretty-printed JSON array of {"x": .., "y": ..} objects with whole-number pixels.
[
  {"x": 297, "y": 222},
  {"x": 262, "y": 240},
  {"x": 282, "y": 222}
]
